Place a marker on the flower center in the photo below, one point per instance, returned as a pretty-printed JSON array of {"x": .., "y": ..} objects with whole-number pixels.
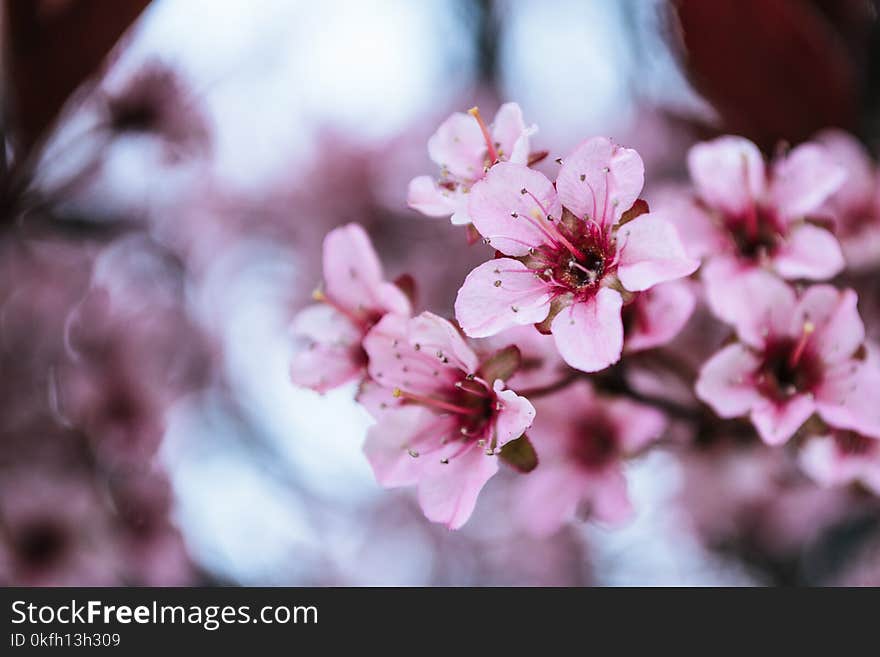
[
  {"x": 471, "y": 399},
  {"x": 755, "y": 233},
  {"x": 578, "y": 269},
  {"x": 597, "y": 444},
  {"x": 789, "y": 366}
]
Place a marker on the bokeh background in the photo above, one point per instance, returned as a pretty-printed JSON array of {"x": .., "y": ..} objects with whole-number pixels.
[{"x": 171, "y": 168}]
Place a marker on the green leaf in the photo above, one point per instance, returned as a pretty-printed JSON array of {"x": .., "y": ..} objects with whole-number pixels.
[
  {"x": 501, "y": 365},
  {"x": 520, "y": 454}
]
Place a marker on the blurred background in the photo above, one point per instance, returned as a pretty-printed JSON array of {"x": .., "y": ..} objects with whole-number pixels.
[{"x": 170, "y": 170}]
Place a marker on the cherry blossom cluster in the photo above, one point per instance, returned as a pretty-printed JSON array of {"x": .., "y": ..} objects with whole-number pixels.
[{"x": 582, "y": 279}]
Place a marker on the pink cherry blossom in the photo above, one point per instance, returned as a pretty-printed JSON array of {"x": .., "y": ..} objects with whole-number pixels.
[
  {"x": 841, "y": 458},
  {"x": 571, "y": 261},
  {"x": 743, "y": 216},
  {"x": 795, "y": 356},
  {"x": 354, "y": 298},
  {"x": 855, "y": 207},
  {"x": 442, "y": 416},
  {"x": 656, "y": 316},
  {"x": 464, "y": 148},
  {"x": 582, "y": 441}
]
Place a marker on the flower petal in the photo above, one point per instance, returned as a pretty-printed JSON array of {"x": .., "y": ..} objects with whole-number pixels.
[
  {"x": 500, "y": 294},
  {"x": 728, "y": 173},
  {"x": 426, "y": 196},
  {"x": 858, "y": 190},
  {"x": 600, "y": 180},
  {"x": 753, "y": 300},
  {"x": 353, "y": 274},
  {"x": 699, "y": 233},
  {"x": 507, "y": 217},
  {"x": 803, "y": 180},
  {"x": 637, "y": 425},
  {"x": 422, "y": 355},
  {"x": 726, "y": 381},
  {"x": 448, "y": 492},
  {"x": 838, "y": 328},
  {"x": 776, "y": 422},
  {"x": 651, "y": 253},
  {"x": 658, "y": 315},
  {"x": 396, "y": 437},
  {"x": 328, "y": 353},
  {"x": 809, "y": 252},
  {"x": 847, "y": 398},
  {"x": 511, "y": 134},
  {"x": 458, "y": 146},
  {"x": 589, "y": 334},
  {"x": 549, "y": 498},
  {"x": 516, "y": 415}
]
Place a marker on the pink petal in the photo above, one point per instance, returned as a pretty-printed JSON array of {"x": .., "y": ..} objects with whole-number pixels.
[
  {"x": 589, "y": 334},
  {"x": 804, "y": 180},
  {"x": 728, "y": 173},
  {"x": 610, "y": 500},
  {"x": 659, "y": 315},
  {"x": 417, "y": 357},
  {"x": 377, "y": 399},
  {"x": 600, "y": 180},
  {"x": 448, "y": 492},
  {"x": 809, "y": 252},
  {"x": 651, "y": 253},
  {"x": 511, "y": 134},
  {"x": 755, "y": 301},
  {"x": 549, "y": 498},
  {"x": 498, "y": 197},
  {"x": 828, "y": 465},
  {"x": 393, "y": 440},
  {"x": 516, "y": 415},
  {"x": 353, "y": 274},
  {"x": 776, "y": 422},
  {"x": 426, "y": 196},
  {"x": 637, "y": 425},
  {"x": 437, "y": 336},
  {"x": 459, "y": 147},
  {"x": 700, "y": 235},
  {"x": 838, "y": 328},
  {"x": 726, "y": 381},
  {"x": 500, "y": 294},
  {"x": 328, "y": 353},
  {"x": 857, "y": 191},
  {"x": 847, "y": 398}
]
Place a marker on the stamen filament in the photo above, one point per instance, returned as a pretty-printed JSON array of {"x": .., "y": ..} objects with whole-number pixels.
[
  {"x": 493, "y": 154},
  {"x": 434, "y": 403},
  {"x": 801, "y": 345},
  {"x": 550, "y": 229}
]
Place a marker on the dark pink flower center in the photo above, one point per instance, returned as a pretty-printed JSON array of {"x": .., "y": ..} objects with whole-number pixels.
[
  {"x": 789, "y": 366},
  {"x": 596, "y": 442},
  {"x": 755, "y": 233},
  {"x": 471, "y": 400},
  {"x": 579, "y": 264}
]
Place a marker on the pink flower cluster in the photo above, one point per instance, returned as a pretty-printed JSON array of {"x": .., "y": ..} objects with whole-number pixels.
[{"x": 587, "y": 282}]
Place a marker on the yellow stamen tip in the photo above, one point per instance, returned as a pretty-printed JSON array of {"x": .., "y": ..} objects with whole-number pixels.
[
  {"x": 397, "y": 392},
  {"x": 318, "y": 295},
  {"x": 809, "y": 327},
  {"x": 474, "y": 111}
]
